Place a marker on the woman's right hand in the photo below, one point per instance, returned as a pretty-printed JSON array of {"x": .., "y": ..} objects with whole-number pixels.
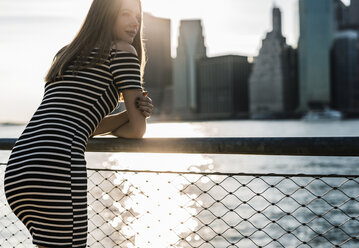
[{"x": 144, "y": 104}]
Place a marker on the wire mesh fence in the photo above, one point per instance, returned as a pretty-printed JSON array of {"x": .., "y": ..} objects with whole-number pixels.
[{"x": 128, "y": 208}]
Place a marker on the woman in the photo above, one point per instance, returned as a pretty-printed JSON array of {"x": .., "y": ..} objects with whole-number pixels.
[{"x": 46, "y": 179}]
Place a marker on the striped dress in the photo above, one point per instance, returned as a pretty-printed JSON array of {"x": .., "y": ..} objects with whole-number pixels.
[{"x": 45, "y": 178}]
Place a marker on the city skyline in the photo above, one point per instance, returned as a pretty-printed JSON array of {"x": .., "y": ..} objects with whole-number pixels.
[{"x": 41, "y": 27}]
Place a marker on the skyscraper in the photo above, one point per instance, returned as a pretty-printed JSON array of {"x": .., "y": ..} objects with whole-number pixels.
[
  {"x": 272, "y": 85},
  {"x": 158, "y": 70},
  {"x": 345, "y": 71},
  {"x": 345, "y": 60},
  {"x": 354, "y": 14},
  {"x": 316, "y": 35},
  {"x": 222, "y": 84},
  {"x": 190, "y": 48}
]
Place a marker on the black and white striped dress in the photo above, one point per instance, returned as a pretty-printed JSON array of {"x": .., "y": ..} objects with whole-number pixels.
[{"x": 45, "y": 178}]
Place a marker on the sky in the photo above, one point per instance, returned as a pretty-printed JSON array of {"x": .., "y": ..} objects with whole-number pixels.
[{"x": 32, "y": 31}]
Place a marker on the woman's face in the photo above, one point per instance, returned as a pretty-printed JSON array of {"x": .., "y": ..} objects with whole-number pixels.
[{"x": 128, "y": 21}]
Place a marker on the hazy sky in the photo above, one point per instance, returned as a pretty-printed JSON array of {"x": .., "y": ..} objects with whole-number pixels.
[{"x": 32, "y": 31}]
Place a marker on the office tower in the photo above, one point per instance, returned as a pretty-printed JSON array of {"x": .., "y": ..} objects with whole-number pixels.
[
  {"x": 345, "y": 71},
  {"x": 354, "y": 14},
  {"x": 158, "y": 70},
  {"x": 190, "y": 48},
  {"x": 341, "y": 15},
  {"x": 316, "y": 35},
  {"x": 223, "y": 86},
  {"x": 272, "y": 84}
]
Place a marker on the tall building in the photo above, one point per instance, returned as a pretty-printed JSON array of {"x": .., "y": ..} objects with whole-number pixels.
[
  {"x": 345, "y": 60},
  {"x": 190, "y": 48},
  {"x": 316, "y": 35},
  {"x": 340, "y": 14},
  {"x": 345, "y": 71},
  {"x": 223, "y": 86},
  {"x": 354, "y": 14},
  {"x": 346, "y": 17},
  {"x": 158, "y": 70},
  {"x": 273, "y": 84}
]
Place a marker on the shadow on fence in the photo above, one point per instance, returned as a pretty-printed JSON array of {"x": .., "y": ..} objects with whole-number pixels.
[{"x": 128, "y": 208}]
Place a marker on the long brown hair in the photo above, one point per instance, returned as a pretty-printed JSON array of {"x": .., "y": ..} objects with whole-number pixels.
[{"x": 96, "y": 31}]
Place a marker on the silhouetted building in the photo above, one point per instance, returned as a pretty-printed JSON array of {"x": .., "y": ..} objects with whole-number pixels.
[
  {"x": 341, "y": 15},
  {"x": 223, "y": 86},
  {"x": 158, "y": 70},
  {"x": 316, "y": 35},
  {"x": 346, "y": 17},
  {"x": 190, "y": 48},
  {"x": 345, "y": 59},
  {"x": 345, "y": 71},
  {"x": 290, "y": 73},
  {"x": 353, "y": 11},
  {"x": 273, "y": 86}
]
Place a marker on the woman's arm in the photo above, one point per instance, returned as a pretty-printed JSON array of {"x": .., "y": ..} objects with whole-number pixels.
[
  {"x": 127, "y": 131},
  {"x": 144, "y": 104},
  {"x": 110, "y": 123},
  {"x": 136, "y": 125}
]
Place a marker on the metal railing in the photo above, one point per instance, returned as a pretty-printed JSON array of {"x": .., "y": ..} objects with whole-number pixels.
[
  {"x": 303, "y": 146},
  {"x": 136, "y": 208}
]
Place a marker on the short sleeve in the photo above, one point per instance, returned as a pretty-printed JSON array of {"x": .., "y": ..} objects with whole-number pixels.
[{"x": 125, "y": 69}]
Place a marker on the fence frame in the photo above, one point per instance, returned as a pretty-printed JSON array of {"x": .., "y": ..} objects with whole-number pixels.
[{"x": 294, "y": 146}]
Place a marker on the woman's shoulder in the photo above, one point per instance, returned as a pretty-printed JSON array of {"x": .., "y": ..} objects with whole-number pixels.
[{"x": 123, "y": 46}]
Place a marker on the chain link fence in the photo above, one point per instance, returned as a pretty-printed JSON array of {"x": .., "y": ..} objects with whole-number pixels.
[{"x": 128, "y": 208}]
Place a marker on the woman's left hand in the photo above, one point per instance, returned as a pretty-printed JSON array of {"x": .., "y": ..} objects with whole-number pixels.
[{"x": 144, "y": 104}]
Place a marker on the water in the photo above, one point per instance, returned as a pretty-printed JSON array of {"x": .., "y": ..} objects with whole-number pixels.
[{"x": 209, "y": 162}]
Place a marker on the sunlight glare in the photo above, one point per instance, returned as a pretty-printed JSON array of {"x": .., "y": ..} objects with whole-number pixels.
[
  {"x": 157, "y": 207},
  {"x": 174, "y": 130}
]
